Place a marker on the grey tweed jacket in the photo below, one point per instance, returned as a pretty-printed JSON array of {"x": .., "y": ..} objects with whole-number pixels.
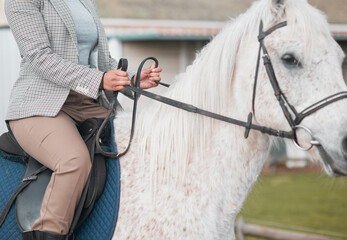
[{"x": 47, "y": 41}]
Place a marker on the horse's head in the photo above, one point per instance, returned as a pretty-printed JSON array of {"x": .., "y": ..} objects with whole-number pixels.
[{"x": 307, "y": 63}]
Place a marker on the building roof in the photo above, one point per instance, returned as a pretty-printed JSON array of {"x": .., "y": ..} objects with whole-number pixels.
[
  {"x": 339, "y": 31},
  {"x": 206, "y": 10},
  {"x": 149, "y": 29}
]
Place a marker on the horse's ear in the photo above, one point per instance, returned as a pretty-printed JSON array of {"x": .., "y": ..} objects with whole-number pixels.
[
  {"x": 277, "y": 7},
  {"x": 278, "y": 2}
]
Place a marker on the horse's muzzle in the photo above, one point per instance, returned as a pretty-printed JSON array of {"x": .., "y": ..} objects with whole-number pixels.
[
  {"x": 331, "y": 166},
  {"x": 344, "y": 147}
]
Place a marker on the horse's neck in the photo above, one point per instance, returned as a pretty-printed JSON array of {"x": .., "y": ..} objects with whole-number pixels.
[
  {"x": 174, "y": 137},
  {"x": 216, "y": 181},
  {"x": 224, "y": 155},
  {"x": 239, "y": 160},
  {"x": 192, "y": 155},
  {"x": 218, "y": 173}
]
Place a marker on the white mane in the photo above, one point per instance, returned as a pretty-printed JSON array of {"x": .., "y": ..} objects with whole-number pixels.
[{"x": 163, "y": 131}]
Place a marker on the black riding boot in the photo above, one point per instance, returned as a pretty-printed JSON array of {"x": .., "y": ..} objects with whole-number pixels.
[{"x": 41, "y": 235}]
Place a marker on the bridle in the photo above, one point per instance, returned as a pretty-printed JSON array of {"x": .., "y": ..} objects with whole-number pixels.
[{"x": 293, "y": 117}]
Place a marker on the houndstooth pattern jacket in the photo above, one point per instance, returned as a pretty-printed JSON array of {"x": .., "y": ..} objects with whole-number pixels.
[{"x": 47, "y": 41}]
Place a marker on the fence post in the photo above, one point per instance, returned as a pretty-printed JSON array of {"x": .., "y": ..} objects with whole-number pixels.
[
  {"x": 243, "y": 229},
  {"x": 238, "y": 229}
]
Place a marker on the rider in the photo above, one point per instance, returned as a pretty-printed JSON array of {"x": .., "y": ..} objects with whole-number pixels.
[{"x": 65, "y": 65}]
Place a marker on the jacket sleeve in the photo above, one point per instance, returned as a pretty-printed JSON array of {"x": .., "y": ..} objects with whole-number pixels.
[{"x": 28, "y": 28}]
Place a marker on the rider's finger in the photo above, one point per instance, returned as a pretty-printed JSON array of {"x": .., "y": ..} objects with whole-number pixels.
[
  {"x": 118, "y": 88},
  {"x": 152, "y": 67},
  {"x": 155, "y": 78},
  {"x": 121, "y": 73},
  {"x": 157, "y": 70},
  {"x": 120, "y": 79},
  {"x": 121, "y": 83},
  {"x": 154, "y": 74}
]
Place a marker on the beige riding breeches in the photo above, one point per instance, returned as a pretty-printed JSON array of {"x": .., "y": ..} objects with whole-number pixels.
[{"x": 56, "y": 143}]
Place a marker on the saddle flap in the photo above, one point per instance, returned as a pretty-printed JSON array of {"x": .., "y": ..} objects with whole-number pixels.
[
  {"x": 89, "y": 127},
  {"x": 102, "y": 220},
  {"x": 9, "y": 145},
  {"x": 28, "y": 203},
  {"x": 97, "y": 181}
]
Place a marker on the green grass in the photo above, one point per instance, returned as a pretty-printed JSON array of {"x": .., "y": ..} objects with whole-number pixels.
[{"x": 313, "y": 201}]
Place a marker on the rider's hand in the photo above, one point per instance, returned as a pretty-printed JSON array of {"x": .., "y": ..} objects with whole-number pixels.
[
  {"x": 149, "y": 76},
  {"x": 115, "y": 80}
]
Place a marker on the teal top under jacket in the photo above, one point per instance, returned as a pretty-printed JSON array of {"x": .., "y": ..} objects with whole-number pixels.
[{"x": 86, "y": 32}]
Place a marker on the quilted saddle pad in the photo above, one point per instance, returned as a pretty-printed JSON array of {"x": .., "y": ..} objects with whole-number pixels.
[{"x": 100, "y": 224}]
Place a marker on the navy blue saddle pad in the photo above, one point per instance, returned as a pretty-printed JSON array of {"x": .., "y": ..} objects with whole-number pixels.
[{"x": 100, "y": 224}]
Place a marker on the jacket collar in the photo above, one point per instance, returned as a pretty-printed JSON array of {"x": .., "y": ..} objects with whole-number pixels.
[{"x": 65, "y": 15}]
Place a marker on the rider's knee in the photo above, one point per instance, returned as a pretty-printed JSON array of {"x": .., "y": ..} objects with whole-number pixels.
[{"x": 78, "y": 164}]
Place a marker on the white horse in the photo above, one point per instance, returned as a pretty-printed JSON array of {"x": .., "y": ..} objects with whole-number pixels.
[{"x": 186, "y": 176}]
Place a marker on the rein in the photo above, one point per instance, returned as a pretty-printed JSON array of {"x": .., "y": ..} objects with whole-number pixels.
[
  {"x": 184, "y": 106},
  {"x": 248, "y": 125}
]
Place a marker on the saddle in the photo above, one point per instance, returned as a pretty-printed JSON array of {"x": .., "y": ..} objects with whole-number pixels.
[{"x": 29, "y": 194}]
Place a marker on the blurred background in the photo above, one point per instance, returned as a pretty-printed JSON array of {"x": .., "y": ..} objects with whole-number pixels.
[{"x": 292, "y": 192}]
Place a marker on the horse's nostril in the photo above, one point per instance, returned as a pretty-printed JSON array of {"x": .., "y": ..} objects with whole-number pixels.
[{"x": 344, "y": 145}]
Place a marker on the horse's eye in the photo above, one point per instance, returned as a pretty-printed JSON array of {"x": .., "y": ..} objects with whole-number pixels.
[{"x": 290, "y": 60}]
